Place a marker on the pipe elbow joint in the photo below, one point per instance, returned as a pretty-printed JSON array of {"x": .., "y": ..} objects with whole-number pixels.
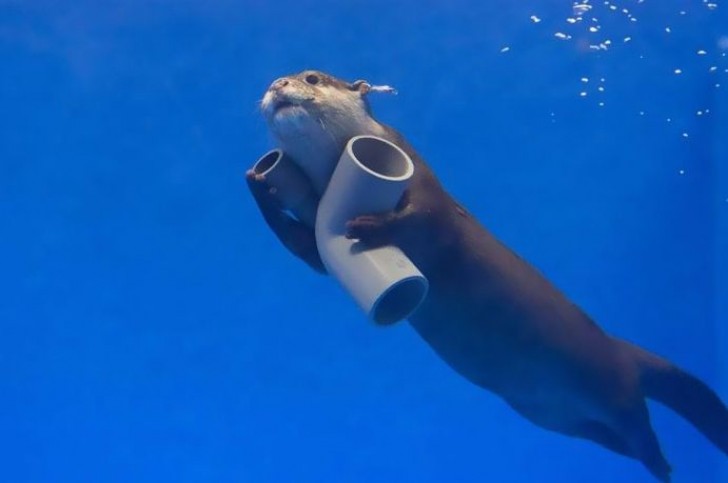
[{"x": 371, "y": 177}]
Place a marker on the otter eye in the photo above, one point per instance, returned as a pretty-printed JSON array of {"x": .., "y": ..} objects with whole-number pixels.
[{"x": 312, "y": 79}]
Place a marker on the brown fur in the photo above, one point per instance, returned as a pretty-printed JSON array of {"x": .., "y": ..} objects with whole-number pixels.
[{"x": 496, "y": 320}]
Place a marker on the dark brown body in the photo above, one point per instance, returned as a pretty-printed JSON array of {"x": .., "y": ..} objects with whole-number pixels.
[{"x": 498, "y": 322}]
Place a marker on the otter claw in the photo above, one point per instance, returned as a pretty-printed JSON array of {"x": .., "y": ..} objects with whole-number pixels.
[
  {"x": 369, "y": 228},
  {"x": 263, "y": 193},
  {"x": 251, "y": 175}
]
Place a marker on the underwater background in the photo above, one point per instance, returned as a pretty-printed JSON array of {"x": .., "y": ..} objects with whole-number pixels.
[{"x": 152, "y": 328}]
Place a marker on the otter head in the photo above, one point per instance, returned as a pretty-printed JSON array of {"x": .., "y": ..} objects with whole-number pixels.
[{"x": 315, "y": 114}]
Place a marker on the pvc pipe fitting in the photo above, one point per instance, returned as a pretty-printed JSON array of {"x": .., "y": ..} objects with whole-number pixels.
[{"x": 371, "y": 177}]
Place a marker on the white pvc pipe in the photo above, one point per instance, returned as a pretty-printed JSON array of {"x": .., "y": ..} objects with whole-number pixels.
[
  {"x": 292, "y": 186},
  {"x": 371, "y": 177}
]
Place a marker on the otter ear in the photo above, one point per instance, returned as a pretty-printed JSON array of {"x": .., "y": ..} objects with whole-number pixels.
[{"x": 362, "y": 86}]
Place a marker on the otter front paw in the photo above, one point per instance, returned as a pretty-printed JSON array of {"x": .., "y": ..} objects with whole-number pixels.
[
  {"x": 374, "y": 230},
  {"x": 264, "y": 194},
  {"x": 295, "y": 236}
]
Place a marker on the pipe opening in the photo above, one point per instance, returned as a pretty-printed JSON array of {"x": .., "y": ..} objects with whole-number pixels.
[
  {"x": 267, "y": 162},
  {"x": 399, "y": 301},
  {"x": 381, "y": 157}
]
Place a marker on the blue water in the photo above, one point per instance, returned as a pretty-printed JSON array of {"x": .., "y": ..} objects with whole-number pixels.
[{"x": 153, "y": 329}]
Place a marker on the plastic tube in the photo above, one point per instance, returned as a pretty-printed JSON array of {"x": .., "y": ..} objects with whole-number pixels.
[
  {"x": 292, "y": 186},
  {"x": 371, "y": 177}
]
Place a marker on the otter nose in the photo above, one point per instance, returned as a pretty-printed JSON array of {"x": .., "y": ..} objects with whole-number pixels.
[{"x": 279, "y": 83}]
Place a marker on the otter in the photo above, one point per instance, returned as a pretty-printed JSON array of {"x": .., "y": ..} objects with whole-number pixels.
[{"x": 489, "y": 315}]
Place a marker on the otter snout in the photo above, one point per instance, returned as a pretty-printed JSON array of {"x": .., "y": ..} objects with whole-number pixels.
[
  {"x": 285, "y": 92},
  {"x": 278, "y": 84}
]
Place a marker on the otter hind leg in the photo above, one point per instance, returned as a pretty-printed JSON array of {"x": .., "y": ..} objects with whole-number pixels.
[
  {"x": 627, "y": 432},
  {"x": 603, "y": 435},
  {"x": 687, "y": 395},
  {"x": 648, "y": 451},
  {"x": 635, "y": 428}
]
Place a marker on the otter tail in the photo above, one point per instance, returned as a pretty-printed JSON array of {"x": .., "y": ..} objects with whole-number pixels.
[{"x": 687, "y": 395}]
